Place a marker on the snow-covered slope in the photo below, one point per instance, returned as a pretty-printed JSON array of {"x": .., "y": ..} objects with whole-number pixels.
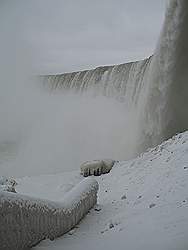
[{"x": 142, "y": 203}]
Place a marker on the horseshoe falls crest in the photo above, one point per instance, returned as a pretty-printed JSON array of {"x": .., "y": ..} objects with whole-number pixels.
[{"x": 155, "y": 88}]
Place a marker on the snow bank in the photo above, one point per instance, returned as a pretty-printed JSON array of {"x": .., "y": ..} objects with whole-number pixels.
[{"x": 25, "y": 221}]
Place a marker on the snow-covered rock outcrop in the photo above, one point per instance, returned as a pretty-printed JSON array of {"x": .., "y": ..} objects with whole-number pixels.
[
  {"x": 25, "y": 221},
  {"x": 96, "y": 167}
]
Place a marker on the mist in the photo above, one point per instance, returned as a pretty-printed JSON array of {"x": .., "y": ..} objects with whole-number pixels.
[
  {"x": 72, "y": 130},
  {"x": 49, "y": 133},
  {"x": 43, "y": 133}
]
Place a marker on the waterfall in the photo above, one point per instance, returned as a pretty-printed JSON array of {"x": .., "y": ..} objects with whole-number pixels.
[
  {"x": 167, "y": 96},
  {"x": 122, "y": 82},
  {"x": 156, "y": 87}
]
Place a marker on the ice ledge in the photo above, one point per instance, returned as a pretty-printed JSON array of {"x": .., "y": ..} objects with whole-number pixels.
[{"x": 25, "y": 221}]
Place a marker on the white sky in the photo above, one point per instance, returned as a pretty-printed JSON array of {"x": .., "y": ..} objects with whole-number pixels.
[{"x": 70, "y": 35}]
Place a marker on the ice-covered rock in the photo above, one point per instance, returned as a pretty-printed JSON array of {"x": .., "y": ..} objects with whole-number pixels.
[
  {"x": 25, "y": 221},
  {"x": 7, "y": 184},
  {"x": 96, "y": 167}
]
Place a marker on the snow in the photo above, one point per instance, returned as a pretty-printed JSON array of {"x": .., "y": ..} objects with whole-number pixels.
[
  {"x": 51, "y": 187},
  {"x": 142, "y": 203}
]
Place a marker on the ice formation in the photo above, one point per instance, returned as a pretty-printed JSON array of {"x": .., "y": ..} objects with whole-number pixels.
[
  {"x": 25, "y": 221},
  {"x": 96, "y": 167}
]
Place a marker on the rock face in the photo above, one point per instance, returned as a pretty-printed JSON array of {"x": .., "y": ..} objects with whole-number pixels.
[
  {"x": 96, "y": 167},
  {"x": 26, "y": 221}
]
